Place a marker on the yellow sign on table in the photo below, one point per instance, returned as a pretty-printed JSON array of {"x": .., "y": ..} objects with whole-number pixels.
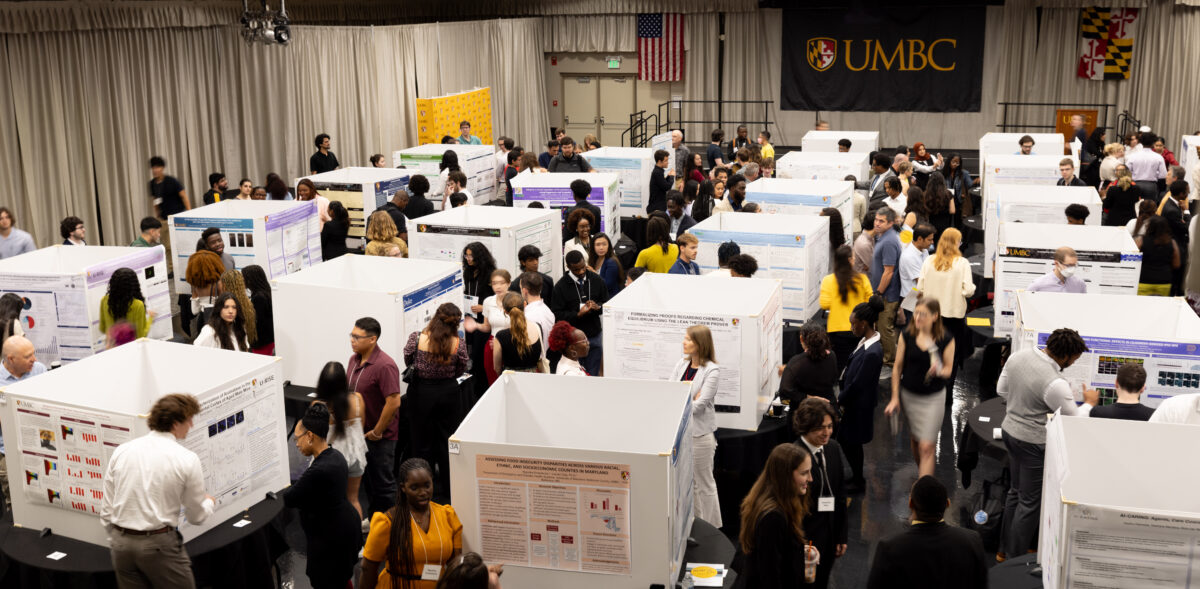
[{"x": 979, "y": 322}]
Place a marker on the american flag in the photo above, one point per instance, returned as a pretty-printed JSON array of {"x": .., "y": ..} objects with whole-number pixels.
[{"x": 660, "y": 47}]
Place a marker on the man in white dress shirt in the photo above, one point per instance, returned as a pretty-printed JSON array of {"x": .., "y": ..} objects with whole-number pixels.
[
  {"x": 1178, "y": 409},
  {"x": 149, "y": 479}
]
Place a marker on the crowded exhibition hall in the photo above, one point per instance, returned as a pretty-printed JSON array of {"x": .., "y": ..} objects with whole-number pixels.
[{"x": 620, "y": 294}]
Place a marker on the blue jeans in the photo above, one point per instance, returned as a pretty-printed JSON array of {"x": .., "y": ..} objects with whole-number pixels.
[{"x": 594, "y": 361}]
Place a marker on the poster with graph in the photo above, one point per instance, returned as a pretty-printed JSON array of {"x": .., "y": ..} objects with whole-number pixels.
[{"x": 441, "y": 115}]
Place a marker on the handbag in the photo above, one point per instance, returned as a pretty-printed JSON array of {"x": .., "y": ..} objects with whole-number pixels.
[{"x": 409, "y": 374}]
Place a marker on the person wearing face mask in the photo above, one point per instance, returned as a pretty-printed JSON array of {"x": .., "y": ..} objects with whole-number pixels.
[
  {"x": 1062, "y": 278},
  {"x": 813, "y": 420},
  {"x": 226, "y": 329},
  {"x": 772, "y": 535}
]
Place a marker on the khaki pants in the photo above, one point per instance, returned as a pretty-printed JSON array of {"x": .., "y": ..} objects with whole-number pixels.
[
  {"x": 151, "y": 561},
  {"x": 887, "y": 331}
]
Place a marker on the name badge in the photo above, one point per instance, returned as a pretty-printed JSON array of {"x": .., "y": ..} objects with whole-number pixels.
[
  {"x": 431, "y": 572},
  {"x": 825, "y": 504},
  {"x": 469, "y": 301}
]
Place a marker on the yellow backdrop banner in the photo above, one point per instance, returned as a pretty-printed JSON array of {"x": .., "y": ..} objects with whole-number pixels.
[{"x": 440, "y": 116}]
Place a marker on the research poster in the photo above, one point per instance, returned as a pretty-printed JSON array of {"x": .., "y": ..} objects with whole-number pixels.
[
  {"x": 1018, "y": 267},
  {"x": 629, "y": 171},
  {"x": 785, "y": 257},
  {"x": 555, "y": 514},
  {"x": 54, "y": 314},
  {"x": 447, "y": 242},
  {"x": 772, "y": 339},
  {"x": 150, "y": 265},
  {"x": 663, "y": 141},
  {"x": 293, "y": 239},
  {"x": 237, "y": 233},
  {"x": 561, "y": 198},
  {"x": 543, "y": 235},
  {"x": 351, "y": 197},
  {"x": 421, "y": 304},
  {"x": 62, "y": 453},
  {"x": 1116, "y": 549},
  {"x": 1172, "y": 368},
  {"x": 681, "y": 485},
  {"x": 240, "y": 436},
  {"x": 651, "y": 343}
]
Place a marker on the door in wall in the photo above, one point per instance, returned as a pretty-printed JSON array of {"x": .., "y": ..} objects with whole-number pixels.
[
  {"x": 599, "y": 105},
  {"x": 581, "y": 108},
  {"x": 616, "y": 104}
]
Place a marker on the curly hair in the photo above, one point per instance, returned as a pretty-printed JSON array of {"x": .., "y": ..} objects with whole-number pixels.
[
  {"x": 1065, "y": 343},
  {"x": 442, "y": 331},
  {"x": 232, "y": 282},
  {"x": 381, "y": 227},
  {"x": 123, "y": 288},
  {"x": 575, "y": 217},
  {"x": 560, "y": 336},
  {"x": 808, "y": 414},
  {"x": 816, "y": 342},
  {"x": 172, "y": 409},
  {"x": 204, "y": 268}
]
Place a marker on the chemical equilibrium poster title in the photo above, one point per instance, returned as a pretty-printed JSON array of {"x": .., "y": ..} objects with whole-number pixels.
[{"x": 893, "y": 59}]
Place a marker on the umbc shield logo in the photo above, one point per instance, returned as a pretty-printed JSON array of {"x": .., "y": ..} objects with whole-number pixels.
[{"x": 822, "y": 52}]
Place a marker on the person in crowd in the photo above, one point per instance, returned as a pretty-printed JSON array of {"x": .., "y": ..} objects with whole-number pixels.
[
  {"x": 881, "y": 167},
  {"x": 837, "y": 232},
  {"x": 912, "y": 259},
  {"x": 864, "y": 245},
  {"x": 694, "y": 167},
  {"x": 277, "y": 189},
  {"x": 226, "y": 328},
  {"x": 18, "y": 361},
  {"x": 1076, "y": 214},
  {"x": 717, "y": 203},
  {"x": 699, "y": 368},
  {"x": 494, "y": 318},
  {"x": 844, "y": 145},
  {"x": 151, "y": 233},
  {"x": 307, "y": 190},
  {"x": 1066, "y": 168},
  {"x": 168, "y": 194},
  {"x": 751, "y": 172},
  {"x": 915, "y": 211},
  {"x": 510, "y": 171},
  {"x": 232, "y": 282},
  {"x": 764, "y": 141},
  {"x": 813, "y": 420},
  {"x": 578, "y": 298},
  {"x": 741, "y": 140},
  {"x": 567, "y": 160},
  {"x": 633, "y": 274},
  {"x": 930, "y": 553},
  {"x": 335, "y": 232},
  {"x": 519, "y": 346},
  {"x": 504, "y": 146},
  {"x": 456, "y": 183},
  {"x": 528, "y": 162},
  {"x": 322, "y": 160},
  {"x": 373, "y": 374},
  {"x": 572, "y": 346},
  {"x": 438, "y": 357},
  {"x": 245, "y": 188},
  {"x": 1160, "y": 258},
  {"x": 958, "y": 180},
  {"x": 742, "y": 266},
  {"x": 725, "y": 252},
  {"x": 772, "y": 533},
  {"x": 378, "y": 161},
  {"x": 536, "y": 310},
  {"x": 124, "y": 303},
  {"x": 924, "y": 163},
  {"x": 904, "y": 173},
  {"x": 458, "y": 199},
  {"x": 661, "y": 180},
  {"x": 602, "y": 260},
  {"x": 897, "y": 197},
  {"x": 689, "y": 247},
  {"x": 1160, "y": 147},
  {"x": 1114, "y": 155},
  {"x": 1137, "y": 226},
  {"x": 579, "y": 224},
  {"x": 811, "y": 373},
  {"x": 679, "y": 219},
  {"x": 885, "y": 259},
  {"x": 469, "y": 571},
  {"x": 859, "y": 390},
  {"x": 1026, "y": 145},
  {"x": 1131, "y": 383},
  {"x": 580, "y": 191},
  {"x": 331, "y": 525},
  {"x": 1173, "y": 173},
  {"x": 683, "y": 155},
  {"x": 588, "y": 140},
  {"x": 547, "y": 156},
  {"x": 11, "y": 305},
  {"x": 1121, "y": 198},
  {"x": 1062, "y": 278},
  {"x": 418, "y": 205},
  {"x": 1033, "y": 384},
  {"x": 1174, "y": 208},
  {"x": 258, "y": 193},
  {"x": 464, "y": 135},
  {"x": 730, "y": 202},
  {"x": 1147, "y": 167},
  {"x": 148, "y": 483},
  {"x": 924, "y": 360},
  {"x": 347, "y": 411},
  {"x": 211, "y": 240},
  {"x": 939, "y": 204},
  {"x": 716, "y": 159},
  {"x": 946, "y": 277},
  {"x": 203, "y": 276},
  {"x": 661, "y": 253},
  {"x": 217, "y": 186},
  {"x": 259, "y": 288},
  {"x": 1184, "y": 408},
  {"x": 841, "y": 292},
  {"x": 72, "y": 231},
  {"x": 411, "y": 542},
  {"x": 529, "y": 257},
  {"x": 382, "y": 235}
]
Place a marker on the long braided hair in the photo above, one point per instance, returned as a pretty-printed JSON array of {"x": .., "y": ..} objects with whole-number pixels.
[{"x": 400, "y": 542}]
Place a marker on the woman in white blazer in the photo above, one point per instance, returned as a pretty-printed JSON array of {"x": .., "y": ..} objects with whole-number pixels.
[{"x": 699, "y": 367}]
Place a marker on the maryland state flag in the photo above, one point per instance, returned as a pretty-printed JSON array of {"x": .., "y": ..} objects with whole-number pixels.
[{"x": 1106, "y": 45}]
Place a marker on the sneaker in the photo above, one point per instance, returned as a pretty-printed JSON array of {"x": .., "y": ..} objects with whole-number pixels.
[{"x": 885, "y": 373}]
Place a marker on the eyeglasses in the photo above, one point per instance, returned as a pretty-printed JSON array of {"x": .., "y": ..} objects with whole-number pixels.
[{"x": 359, "y": 338}]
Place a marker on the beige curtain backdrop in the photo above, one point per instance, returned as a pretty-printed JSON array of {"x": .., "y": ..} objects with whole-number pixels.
[{"x": 701, "y": 35}]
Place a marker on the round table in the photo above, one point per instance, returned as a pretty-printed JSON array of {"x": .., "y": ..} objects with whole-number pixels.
[
  {"x": 711, "y": 547},
  {"x": 985, "y": 332},
  {"x": 985, "y": 418},
  {"x": 994, "y": 347},
  {"x": 740, "y": 456},
  {"x": 1022, "y": 572},
  {"x": 973, "y": 228},
  {"x": 976, "y": 264}
]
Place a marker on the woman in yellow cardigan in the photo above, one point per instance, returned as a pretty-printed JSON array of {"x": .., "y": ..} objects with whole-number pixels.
[
  {"x": 661, "y": 253},
  {"x": 124, "y": 302},
  {"x": 840, "y": 293}
]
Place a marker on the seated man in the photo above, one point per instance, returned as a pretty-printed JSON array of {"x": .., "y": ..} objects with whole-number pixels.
[
  {"x": 1062, "y": 278},
  {"x": 1077, "y": 214},
  {"x": 931, "y": 554},
  {"x": 1131, "y": 383}
]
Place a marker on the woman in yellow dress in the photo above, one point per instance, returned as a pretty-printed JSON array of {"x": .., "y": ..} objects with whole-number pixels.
[{"x": 413, "y": 555}]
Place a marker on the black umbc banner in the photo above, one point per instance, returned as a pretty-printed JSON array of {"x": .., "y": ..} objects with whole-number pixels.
[{"x": 892, "y": 59}]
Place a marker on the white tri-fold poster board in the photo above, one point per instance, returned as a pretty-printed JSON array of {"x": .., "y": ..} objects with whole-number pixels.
[
  {"x": 478, "y": 163},
  {"x": 790, "y": 248},
  {"x": 1046, "y": 205},
  {"x": 402, "y": 294},
  {"x": 1190, "y": 160},
  {"x": 554, "y": 192},
  {"x": 803, "y": 197},
  {"x": 281, "y": 236},
  {"x": 556, "y": 478},
  {"x": 1022, "y": 170},
  {"x": 62, "y": 427},
  {"x": 633, "y": 166},
  {"x": 62, "y": 286},
  {"x": 502, "y": 230},
  {"x": 644, "y": 325},
  {"x": 1137, "y": 529},
  {"x": 860, "y": 141},
  {"x": 361, "y": 191},
  {"x": 663, "y": 141},
  {"x": 1168, "y": 347},
  {"x": 1109, "y": 261},
  {"x": 823, "y": 165},
  {"x": 1009, "y": 144}
]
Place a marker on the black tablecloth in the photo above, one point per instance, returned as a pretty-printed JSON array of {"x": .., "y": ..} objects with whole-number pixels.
[
  {"x": 791, "y": 342},
  {"x": 740, "y": 456},
  {"x": 976, "y": 265},
  {"x": 711, "y": 547},
  {"x": 985, "y": 334},
  {"x": 1014, "y": 573},
  {"x": 225, "y": 556},
  {"x": 992, "y": 412}
]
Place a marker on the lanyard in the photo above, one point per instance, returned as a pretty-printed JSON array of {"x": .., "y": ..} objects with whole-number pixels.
[
  {"x": 824, "y": 475},
  {"x": 433, "y": 522},
  {"x": 361, "y": 367}
]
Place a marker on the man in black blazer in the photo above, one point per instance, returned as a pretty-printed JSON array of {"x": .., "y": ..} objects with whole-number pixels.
[
  {"x": 930, "y": 554},
  {"x": 661, "y": 180},
  {"x": 825, "y": 526},
  {"x": 881, "y": 166}
]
